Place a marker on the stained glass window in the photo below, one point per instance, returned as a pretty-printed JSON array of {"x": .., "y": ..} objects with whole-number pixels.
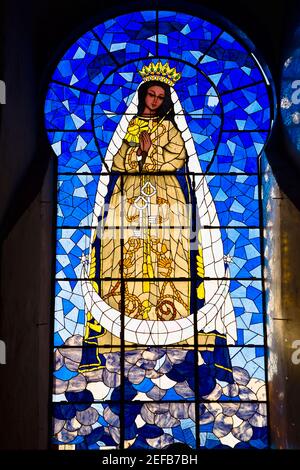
[{"x": 158, "y": 120}]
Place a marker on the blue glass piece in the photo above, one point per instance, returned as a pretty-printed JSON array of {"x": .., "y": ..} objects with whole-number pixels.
[
  {"x": 240, "y": 208},
  {"x": 259, "y": 433},
  {"x": 76, "y": 152},
  {"x": 244, "y": 253},
  {"x": 84, "y": 396},
  {"x": 206, "y": 427},
  {"x": 258, "y": 444},
  {"x": 210, "y": 442},
  {"x": 116, "y": 93},
  {"x": 189, "y": 437},
  {"x": 250, "y": 360},
  {"x": 58, "y": 341},
  {"x": 196, "y": 93},
  {"x": 184, "y": 36},
  {"x": 65, "y": 374},
  {"x": 150, "y": 431},
  {"x": 67, "y": 108},
  {"x": 140, "y": 443},
  {"x": 69, "y": 311},
  {"x": 178, "y": 433},
  {"x": 238, "y": 152},
  {"x": 130, "y": 432},
  {"x": 205, "y": 132},
  {"x": 76, "y": 195},
  {"x": 85, "y": 64},
  {"x": 206, "y": 381},
  {"x": 144, "y": 386},
  {"x": 131, "y": 36},
  {"x": 226, "y": 398},
  {"x": 64, "y": 411},
  {"x": 231, "y": 64},
  {"x": 71, "y": 245},
  {"x": 247, "y": 109}
]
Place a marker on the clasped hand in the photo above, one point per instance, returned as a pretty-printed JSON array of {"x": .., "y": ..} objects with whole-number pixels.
[{"x": 145, "y": 143}]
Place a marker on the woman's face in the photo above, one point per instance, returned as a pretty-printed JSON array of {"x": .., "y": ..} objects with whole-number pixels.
[{"x": 154, "y": 98}]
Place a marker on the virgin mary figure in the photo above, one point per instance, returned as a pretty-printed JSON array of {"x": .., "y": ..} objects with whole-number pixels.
[{"x": 152, "y": 267}]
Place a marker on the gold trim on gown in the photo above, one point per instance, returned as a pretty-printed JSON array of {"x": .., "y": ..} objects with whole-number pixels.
[{"x": 156, "y": 229}]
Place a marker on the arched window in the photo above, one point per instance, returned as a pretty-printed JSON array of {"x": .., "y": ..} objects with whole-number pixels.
[{"x": 158, "y": 120}]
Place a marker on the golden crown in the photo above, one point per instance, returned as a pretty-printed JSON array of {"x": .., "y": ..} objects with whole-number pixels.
[{"x": 160, "y": 72}]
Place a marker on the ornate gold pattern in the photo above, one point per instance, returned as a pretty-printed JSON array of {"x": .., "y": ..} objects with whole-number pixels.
[
  {"x": 163, "y": 73},
  {"x": 151, "y": 249}
]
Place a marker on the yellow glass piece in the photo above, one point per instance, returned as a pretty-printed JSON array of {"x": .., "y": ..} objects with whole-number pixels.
[
  {"x": 200, "y": 269},
  {"x": 146, "y": 309},
  {"x": 222, "y": 367},
  {"x": 91, "y": 324},
  {"x": 134, "y": 130},
  {"x": 147, "y": 264},
  {"x": 199, "y": 257},
  {"x": 161, "y": 72},
  {"x": 93, "y": 265},
  {"x": 95, "y": 286},
  {"x": 95, "y": 327},
  {"x": 200, "y": 291}
]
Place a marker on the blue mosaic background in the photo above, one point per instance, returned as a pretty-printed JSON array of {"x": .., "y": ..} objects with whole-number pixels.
[
  {"x": 236, "y": 199},
  {"x": 241, "y": 244},
  {"x": 226, "y": 100},
  {"x": 95, "y": 84},
  {"x": 246, "y": 298}
]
